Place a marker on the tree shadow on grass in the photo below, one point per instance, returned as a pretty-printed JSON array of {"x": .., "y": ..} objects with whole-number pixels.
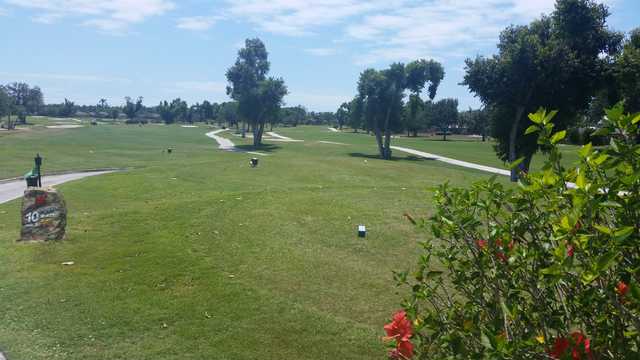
[
  {"x": 267, "y": 148},
  {"x": 393, "y": 158}
]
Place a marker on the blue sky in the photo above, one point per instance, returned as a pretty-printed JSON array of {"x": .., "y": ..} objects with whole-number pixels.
[{"x": 161, "y": 49}]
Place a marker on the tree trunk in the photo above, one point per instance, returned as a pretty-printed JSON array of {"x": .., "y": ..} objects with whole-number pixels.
[
  {"x": 512, "y": 141},
  {"x": 271, "y": 126},
  {"x": 257, "y": 133},
  {"x": 378, "y": 135},
  {"x": 415, "y": 133},
  {"x": 386, "y": 150},
  {"x": 444, "y": 135},
  {"x": 387, "y": 144},
  {"x": 484, "y": 135}
]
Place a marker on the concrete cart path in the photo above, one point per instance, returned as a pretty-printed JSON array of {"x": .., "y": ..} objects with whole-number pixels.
[
  {"x": 228, "y": 145},
  {"x": 453, "y": 161},
  {"x": 10, "y": 190},
  {"x": 279, "y": 137}
]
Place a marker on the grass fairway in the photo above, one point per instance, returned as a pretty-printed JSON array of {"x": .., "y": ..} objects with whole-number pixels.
[{"x": 195, "y": 255}]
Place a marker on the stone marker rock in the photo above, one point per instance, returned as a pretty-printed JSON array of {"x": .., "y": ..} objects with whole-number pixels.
[{"x": 44, "y": 215}]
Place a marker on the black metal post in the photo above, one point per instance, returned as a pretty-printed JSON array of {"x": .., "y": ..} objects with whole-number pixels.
[{"x": 38, "y": 160}]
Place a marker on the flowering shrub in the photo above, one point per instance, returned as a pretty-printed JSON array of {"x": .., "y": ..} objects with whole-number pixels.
[{"x": 547, "y": 270}]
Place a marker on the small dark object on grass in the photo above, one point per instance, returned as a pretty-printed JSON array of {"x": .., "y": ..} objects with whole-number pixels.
[
  {"x": 169, "y": 150},
  {"x": 253, "y": 162},
  {"x": 362, "y": 231}
]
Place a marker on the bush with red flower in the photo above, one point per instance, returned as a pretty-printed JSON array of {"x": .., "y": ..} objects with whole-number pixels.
[
  {"x": 399, "y": 331},
  {"x": 549, "y": 269}
]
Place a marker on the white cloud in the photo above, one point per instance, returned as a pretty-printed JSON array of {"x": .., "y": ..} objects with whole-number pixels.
[
  {"x": 64, "y": 77},
  {"x": 3, "y": 12},
  {"x": 106, "y": 15},
  {"x": 301, "y": 17},
  {"x": 197, "y": 23},
  {"x": 321, "y": 51},
  {"x": 392, "y": 30}
]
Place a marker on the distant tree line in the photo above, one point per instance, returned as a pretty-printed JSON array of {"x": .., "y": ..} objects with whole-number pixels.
[{"x": 19, "y": 100}]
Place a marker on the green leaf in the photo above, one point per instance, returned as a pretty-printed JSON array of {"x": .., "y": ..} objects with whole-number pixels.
[
  {"x": 610, "y": 204},
  {"x": 615, "y": 112},
  {"x": 601, "y": 132},
  {"x": 552, "y": 270},
  {"x": 515, "y": 164},
  {"x": 606, "y": 260},
  {"x": 600, "y": 159},
  {"x": 586, "y": 150},
  {"x": 603, "y": 229},
  {"x": 432, "y": 274},
  {"x": 588, "y": 277},
  {"x": 614, "y": 145},
  {"x": 532, "y": 129},
  {"x": 623, "y": 233},
  {"x": 635, "y": 290},
  {"x": 636, "y": 119},
  {"x": 484, "y": 340},
  {"x": 538, "y": 116},
  {"x": 558, "y": 136},
  {"x": 581, "y": 181}
]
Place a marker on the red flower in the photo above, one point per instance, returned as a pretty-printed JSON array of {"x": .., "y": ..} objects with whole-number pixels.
[
  {"x": 400, "y": 330},
  {"x": 570, "y": 251},
  {"x": 622, "y": 289},
  {"x": 581, "y": 345},
  {"x": 559, "y": 348},
  {"x": 405, "y": 348},
  {"x": 501, "y": 256},
  {"x": 482, "y": 244}
]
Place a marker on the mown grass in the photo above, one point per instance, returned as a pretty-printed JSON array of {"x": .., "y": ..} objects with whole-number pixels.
[
  {"x": 194, "y": 255},
  {"x": 467, "y": 149}
]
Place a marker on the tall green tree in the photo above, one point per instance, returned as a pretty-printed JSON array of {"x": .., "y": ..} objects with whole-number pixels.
[
  {"x": 68, "y": 108},
  {"x": 356, "y": 113},
  {"x": 554, "y": 62},
  {"x": 382, "y": 93},
  {"x": 476, "y": 121},
  {"x": 6, "y": 107},
  {"x": 626, "y": 71},
  {"x": 166, "y": 112},
  {"x": 342, "y": 114},
  {"x": 131, "y": 109},
  {"x": 258, "y": 97},
  {"x": 445, "y": 115},
  {"x": 419, "y": 73}
]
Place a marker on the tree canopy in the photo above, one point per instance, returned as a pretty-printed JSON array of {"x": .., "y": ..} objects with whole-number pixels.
[
  {"x": 555, "y": 61},
  {"x": 382, "y": 92},
  {"x": 259, "y": 98}
]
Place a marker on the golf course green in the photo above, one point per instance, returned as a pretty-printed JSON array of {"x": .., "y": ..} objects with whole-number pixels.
[{"x": 196, "y": 255}]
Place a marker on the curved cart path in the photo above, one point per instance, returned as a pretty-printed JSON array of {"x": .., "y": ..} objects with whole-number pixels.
[
  {"x": 14, "y": 189},
  {"x": 279, "y": 137},
  {"x": 453, "y": 161},
  {"x": 226, "y": 144}
]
